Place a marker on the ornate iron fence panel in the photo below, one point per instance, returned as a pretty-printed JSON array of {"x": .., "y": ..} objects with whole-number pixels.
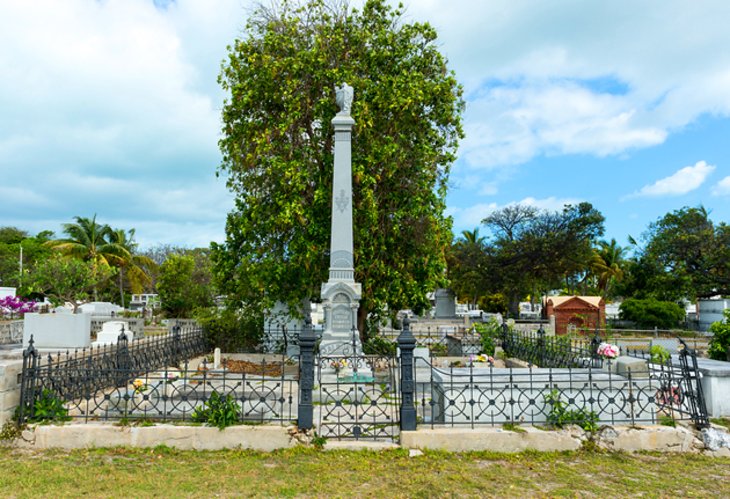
[
  {"x": 478, "y": 396},
  {"x": 258, "y": 391},
  {"x": 77, "y": 374},
  {"x": 357, "y": 397},
  {"x": 679, "y": 390}
]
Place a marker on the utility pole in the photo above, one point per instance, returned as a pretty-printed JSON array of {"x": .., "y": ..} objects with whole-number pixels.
[{"x": 20, "y": 262}]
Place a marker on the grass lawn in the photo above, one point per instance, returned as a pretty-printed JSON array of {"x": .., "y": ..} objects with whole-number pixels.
[{"x": 163, "y": 472}]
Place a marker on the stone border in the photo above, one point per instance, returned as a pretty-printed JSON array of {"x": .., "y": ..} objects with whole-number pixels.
[
  {"x": 269, "y": 437},
  {"x": 91, "y": 435}
]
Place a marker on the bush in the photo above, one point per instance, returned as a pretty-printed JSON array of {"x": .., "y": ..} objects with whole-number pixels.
[
  {"x": 720, "y": 342},
  {"x": 49, "y": 408},
  {"x": 377, "y": 345},
  {"x": 560, "y": 415},
  {"x": 650, "y": 313},
  {"x": 218, "y": 411},
  {"x": 488, "y": 333},
  {"x": 230, "y": 330}
]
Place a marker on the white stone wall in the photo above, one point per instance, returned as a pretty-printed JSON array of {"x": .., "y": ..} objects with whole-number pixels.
[{"x": 9, "y": 388}]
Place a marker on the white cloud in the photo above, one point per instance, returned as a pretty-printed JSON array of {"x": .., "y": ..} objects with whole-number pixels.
[
  {"x": 599, "y": 78},
  {"x": 722, "y": 188},
  {"x": 109, "y": 105},
  {"x": 683, "y": 181}
]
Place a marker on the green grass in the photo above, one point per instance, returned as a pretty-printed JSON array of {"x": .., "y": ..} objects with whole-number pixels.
[
  {"x": 722, "y": 422},
  {"x": 164, "y": 472}
]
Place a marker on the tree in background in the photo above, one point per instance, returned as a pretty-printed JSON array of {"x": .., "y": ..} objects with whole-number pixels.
[
  {"x": 133, "y": 267},
  {"x": 607, "y": 265},
  {"x": 467, "y": 261},
  {"x": 91, "y": 242},
  {"x": 685, "y": 255},
  {"x": 68, "y": 279},
  {"x": 533, "y": 251},
  {"x": 12, "y": 240},
  {"x": 182, "y": 287},
  {"x": 277, "y": 153}
]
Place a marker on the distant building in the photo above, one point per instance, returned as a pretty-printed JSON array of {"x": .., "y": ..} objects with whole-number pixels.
[
  {"x": 576, "y": 312},
  {"x": 146, "y": 301}
]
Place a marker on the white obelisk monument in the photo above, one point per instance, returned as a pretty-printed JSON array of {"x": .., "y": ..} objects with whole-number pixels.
[{"x": 341, "y": 294}]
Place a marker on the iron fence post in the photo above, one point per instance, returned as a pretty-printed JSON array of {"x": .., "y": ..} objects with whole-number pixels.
[
  {"x": 176, "y": 346},
  {"x": 407, "y": 343},
  {"x": 595, "y": 343},
  {"x": 542, "y": 354},
  {"x": 28, "y": 382},
  {"x": 307, "y": 340},
  {"x": 122, "y": 359}
]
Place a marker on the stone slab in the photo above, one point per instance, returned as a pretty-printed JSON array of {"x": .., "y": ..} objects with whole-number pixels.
[
  {"x": 491, "y": 439},
  {"x": 89, "y": 435}
]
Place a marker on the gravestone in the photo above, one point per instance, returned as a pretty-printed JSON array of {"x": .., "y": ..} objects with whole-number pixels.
[
  {"x": 341, "y": 294},
  {"x": 445, "y": 304},
  {"x": 110, "y": 332}
]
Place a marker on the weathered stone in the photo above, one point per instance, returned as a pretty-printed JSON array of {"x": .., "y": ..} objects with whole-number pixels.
[
  {"x": 715, "y": 438},
  {"x": 79, "y": 436},
  {"x": 493, "y": 439},
  {"x": 647, "y": 438}
]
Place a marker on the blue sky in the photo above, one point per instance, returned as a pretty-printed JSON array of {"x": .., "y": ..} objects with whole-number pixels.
[{"x": 112, "y": 107}]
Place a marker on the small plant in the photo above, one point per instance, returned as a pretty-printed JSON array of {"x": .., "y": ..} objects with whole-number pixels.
[
  {"x": 218, "y": 411},
  {"x": 512, "y": 426},
  {"x": 318, "y": 441},
  {"x": 560, "y": 416},
  {"x": 438, "y": 350},
  {"x": 667, "y": 421},
  {"x": 49, "y": 407},
  {"x": 659, "y": 354}
]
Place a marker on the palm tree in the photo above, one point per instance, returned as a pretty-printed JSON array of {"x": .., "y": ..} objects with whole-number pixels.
[
  {"x": 90, "y": 241},
  {"x": 471, "y": 237},
  {"x": 607, "y": 264},
  {"x": 136, "y": 266}
]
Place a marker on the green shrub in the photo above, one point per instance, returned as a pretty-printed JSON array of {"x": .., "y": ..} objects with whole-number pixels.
[
  {"x": 650, "y": 313},
  {"x": 218, "y": 411},
  {"x": 49, "y": 408},
  {"x": 230, "y": 330},
  {"x": 377, "y": 345},
  {"x": 488, "y": 333},
  {"x": 560, "y": 415},
  {"x": 659, "y": 354},
  {"x": 720, "y": 342}
]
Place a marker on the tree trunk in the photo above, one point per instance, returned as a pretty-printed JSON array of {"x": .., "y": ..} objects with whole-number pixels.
[
  {"x": 362, "y": 315},
  {"x": 121, "y": 285}
]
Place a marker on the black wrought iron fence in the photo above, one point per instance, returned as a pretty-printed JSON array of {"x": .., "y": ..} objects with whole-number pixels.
[
  {"x": 82, "y": 373},
  {"x": 549, "y": 351},
  {"x": 587, "y": 396},
  {"x": 678, "y": 376}
]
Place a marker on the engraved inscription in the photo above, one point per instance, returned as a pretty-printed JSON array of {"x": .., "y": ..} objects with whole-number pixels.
[{"x": 341, "y": 319}]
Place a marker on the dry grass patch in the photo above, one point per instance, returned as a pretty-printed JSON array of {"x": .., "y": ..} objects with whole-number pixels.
[{"x": 163, "y": 472}]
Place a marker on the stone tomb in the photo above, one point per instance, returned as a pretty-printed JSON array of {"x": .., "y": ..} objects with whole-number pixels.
[{"x": 110, "y": 332}]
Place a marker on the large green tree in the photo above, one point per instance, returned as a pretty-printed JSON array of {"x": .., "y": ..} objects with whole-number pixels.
[
  {"x": 183, "y": 285},
  {"x": 90, "y": 241},
  {"x": 686, "y": 255},
  {"x": 68, "y": 279},
  {"x": 277, "y": 153},
  {"x": 534, "y": 251}
]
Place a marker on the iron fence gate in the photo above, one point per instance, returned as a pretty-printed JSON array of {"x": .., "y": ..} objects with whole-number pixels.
[{"x": 358, "y": 397}]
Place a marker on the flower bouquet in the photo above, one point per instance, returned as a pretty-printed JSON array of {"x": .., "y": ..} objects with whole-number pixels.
[{"x": 608, "y": 351}]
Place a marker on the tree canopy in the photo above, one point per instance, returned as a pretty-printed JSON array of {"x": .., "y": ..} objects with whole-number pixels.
[{"x": 277, "y": 152}]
